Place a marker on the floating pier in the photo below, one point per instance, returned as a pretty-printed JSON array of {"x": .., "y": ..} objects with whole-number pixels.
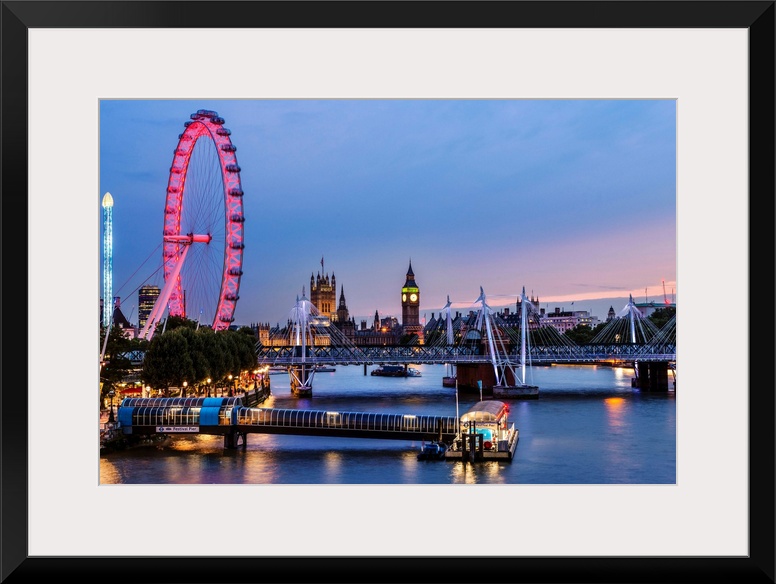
[{"x": 485, "y": 434}]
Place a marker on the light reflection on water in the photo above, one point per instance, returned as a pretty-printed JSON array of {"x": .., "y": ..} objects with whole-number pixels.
[{"x": 589, "y": 426}]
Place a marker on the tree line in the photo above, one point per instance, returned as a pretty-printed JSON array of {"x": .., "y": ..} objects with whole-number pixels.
[{"x": 182, "y": 353}]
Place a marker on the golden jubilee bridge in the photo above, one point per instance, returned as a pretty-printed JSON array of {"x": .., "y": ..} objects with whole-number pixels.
[
  {"x": 484, "y": 344},
  {"x": 285, "y": 356}
]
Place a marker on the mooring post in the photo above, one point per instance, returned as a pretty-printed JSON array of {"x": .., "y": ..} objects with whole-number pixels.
[{"x": 364, "y": 368}]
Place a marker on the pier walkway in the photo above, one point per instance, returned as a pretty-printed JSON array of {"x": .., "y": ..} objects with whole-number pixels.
[{"x": 230, "y": 418}]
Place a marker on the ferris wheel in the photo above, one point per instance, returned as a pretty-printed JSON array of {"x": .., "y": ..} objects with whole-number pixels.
[{"x": 203, "y": 238}]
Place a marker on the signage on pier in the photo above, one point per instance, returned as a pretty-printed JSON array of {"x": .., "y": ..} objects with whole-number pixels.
[{"x": 169, "y": 429}]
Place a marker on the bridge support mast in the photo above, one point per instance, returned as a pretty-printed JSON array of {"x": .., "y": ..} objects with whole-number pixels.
[{"x": 301, "y": 373}]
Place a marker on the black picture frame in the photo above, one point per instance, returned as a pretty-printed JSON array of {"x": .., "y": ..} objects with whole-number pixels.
[{"x": 19, "y": 16}]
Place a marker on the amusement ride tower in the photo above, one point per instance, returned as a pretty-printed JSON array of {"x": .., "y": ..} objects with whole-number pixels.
[{"x": 107, "y": 259}]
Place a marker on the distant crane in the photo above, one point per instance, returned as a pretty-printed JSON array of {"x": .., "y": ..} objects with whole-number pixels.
[{"x": 665, "y": 297}]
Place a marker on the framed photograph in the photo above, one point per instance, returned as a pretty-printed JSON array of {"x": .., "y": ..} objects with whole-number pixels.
[{"x": 63, "y": 61}]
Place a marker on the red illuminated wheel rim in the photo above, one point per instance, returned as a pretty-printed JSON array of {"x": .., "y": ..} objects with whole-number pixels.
[{"x": 204, "y": 209}]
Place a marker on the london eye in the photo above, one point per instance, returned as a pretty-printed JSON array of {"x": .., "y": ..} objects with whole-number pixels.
[{"x": 203, "y": 237}]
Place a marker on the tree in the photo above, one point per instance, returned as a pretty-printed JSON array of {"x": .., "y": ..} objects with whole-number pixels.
[
  {"x": 246, "y": 330},
  {"x": 112, "y": 373},
  {"x": 214, "y": 351},
  {"x": 167, "y": 361},
  {"x": 247, "y": 350},
  {"x": 117, "y": 342},
  {"x": 662, "y": 315},
  {"x": 580, "y": 334},
  {"x": 231, "y": 350},
  {"x": 196, "y": 348},
  {"x": 114, "y": 366},
  {"x": 176, "y": 322}
]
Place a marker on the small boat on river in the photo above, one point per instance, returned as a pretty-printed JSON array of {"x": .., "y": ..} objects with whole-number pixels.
[
  {"x": 396, "y": 371},
  {"x": 433, "y": 451},
  {"x": 389, "y": 371}
]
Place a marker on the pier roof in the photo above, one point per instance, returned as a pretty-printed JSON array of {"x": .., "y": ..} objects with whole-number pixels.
[{"x": 485, "y": 411}]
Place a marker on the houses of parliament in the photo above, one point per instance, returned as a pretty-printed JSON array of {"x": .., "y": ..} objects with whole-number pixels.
[
  {"x": 382, "y": 331},
  {"x": 335, "y": 317}
]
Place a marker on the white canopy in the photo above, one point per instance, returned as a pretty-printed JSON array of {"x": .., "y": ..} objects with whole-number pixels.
[{"x": 485, "y": 411}]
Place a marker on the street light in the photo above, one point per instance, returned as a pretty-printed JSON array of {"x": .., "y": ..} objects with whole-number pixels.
[
  {"x": 111, "y": 419},
  {"x": 185, "y": 383},
  {"x": 208, "y": 386},
  {"x": 230, "y": 384}
]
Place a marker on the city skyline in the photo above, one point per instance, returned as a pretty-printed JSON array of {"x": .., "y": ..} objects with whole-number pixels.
[{"x": 575, "y": 200}]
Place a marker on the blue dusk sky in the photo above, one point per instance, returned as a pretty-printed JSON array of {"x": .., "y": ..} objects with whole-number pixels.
[{"x": 575, "y": 200}]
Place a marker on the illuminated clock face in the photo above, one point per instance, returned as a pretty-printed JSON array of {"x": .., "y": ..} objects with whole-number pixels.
[
  {"x": 413, "y": 297},
  {"x": 404, "y": 298}
]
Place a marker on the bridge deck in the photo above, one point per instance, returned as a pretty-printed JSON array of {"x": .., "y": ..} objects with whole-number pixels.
[{"x": 417, "y": 354}]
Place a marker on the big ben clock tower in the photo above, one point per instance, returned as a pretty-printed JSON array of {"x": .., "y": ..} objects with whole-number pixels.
[{"x": 410, "y": 306}]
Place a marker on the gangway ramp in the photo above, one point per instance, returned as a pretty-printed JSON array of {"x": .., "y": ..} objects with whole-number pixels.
[{"x": 347, "y": 424}]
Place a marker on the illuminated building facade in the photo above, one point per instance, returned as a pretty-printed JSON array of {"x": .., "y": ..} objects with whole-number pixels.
[
  {"x": 323, "y": 293},
  {"x": 146, "y": 298},
  {"x": 410, "y": 306}
]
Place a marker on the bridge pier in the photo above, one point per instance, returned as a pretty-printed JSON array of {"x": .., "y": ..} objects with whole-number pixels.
[
  {"x": 301, "y": 379},
  {"x": 234, "y": 438},
  {"x": 652, "y": 375},
  {"x": 470, "y": 373}
]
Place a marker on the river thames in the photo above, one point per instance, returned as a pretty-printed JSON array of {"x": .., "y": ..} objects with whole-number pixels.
[{"x": 589, "y": 426}]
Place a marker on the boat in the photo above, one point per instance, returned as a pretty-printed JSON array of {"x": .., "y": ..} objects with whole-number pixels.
[
  {"x": 276, "y": 370},
  {"x": 433, "y": 451},
  {"x": 390, "y": 371},
  {"x": 324, "y": 369},
  {"x": 412, "y": 372}
]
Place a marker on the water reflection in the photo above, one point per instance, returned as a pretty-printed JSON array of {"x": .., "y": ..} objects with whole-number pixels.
[
  {"x": 588, "y": 426},
  {"x": 615, "y": 407},
  {"x": 332, "y": 464},
  {"x": 468, "y": 473}
]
